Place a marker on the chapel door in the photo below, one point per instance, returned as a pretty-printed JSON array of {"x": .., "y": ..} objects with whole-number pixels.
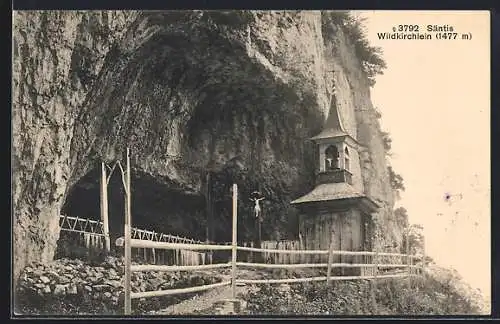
[
  {"x": 336, "y": 236},
  {"x": 346, "y": 243}
]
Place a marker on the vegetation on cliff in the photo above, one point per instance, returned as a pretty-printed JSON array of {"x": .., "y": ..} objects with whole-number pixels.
[
  {"x": 371, "y": 57},
  {"x": 428, "y": 296}
]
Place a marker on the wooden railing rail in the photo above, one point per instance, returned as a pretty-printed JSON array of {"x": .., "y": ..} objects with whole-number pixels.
[{"x": 376, "y": 263}]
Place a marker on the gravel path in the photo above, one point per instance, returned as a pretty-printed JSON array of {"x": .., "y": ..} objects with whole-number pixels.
[
  {"x": 204, "y": 303},
  {"x": 206, "y": 300}
]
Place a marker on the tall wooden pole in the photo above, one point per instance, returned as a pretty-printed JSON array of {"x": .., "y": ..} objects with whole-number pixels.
[
  {"x": 341, "y": 258},
  {"x": 423, "y": 257},
  {"x": 259, "y": 256},
  {"x": 422, "y": 269},
  {"x": 207, "y": 206},
  {"x": 104, "y": 207},
  {"x": 330, "y": 261},
  {"x": 408, "y": 257},
  {"x": 209, "y": 233},
  {"x": 128, "y": 250},
  {"x": 234, "y": 241},
  {"x": 259, "y": 224}
]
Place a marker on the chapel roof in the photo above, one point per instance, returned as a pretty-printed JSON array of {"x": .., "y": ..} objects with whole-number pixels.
[
  {"x": 333, "y": 126},
  {"x": 329, "y": 191},
  {"x": 334, "y": 191}
]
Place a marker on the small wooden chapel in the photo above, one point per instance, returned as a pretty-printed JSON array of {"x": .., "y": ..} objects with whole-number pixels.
[{"x": 337, "y": 208}]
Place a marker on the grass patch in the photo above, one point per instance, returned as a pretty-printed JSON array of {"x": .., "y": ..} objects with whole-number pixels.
[{"x": 387, "y": 297}]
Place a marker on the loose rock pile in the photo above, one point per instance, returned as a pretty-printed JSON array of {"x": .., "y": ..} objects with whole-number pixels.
[{"x": 75, "y": 287}]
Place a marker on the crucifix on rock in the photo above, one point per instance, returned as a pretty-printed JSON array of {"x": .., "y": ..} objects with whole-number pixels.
[{"x": 257, "y": 197}]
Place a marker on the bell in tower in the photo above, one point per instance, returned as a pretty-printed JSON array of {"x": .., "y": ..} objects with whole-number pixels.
[
  {"x": 336, "y": 148},
  {"x": 336, "y": 209}
]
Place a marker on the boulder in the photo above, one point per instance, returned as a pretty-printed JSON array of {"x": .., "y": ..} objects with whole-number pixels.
[
  {"x": 60, "y": 289},
  {"x": 44, "y": 279},
  {"x": 72, "y": 290},
  {"x": 46, "y": 290},
  {"x": 114, "y": 283}
]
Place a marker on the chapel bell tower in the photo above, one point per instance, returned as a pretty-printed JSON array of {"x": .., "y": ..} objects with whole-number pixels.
[{"x": 336, "y": 208}]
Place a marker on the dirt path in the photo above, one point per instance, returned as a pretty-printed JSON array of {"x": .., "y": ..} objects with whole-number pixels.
[{"x": 206, "y": 300}]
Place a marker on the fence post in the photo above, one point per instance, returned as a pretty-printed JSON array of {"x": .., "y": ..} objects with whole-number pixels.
[
  {"x": 422, "y": 269},
  {"x": 330, "y": 261},
  {"x": 375, "y": 268},
  {"x": 104, "y": 207},
  {"x": 128, "y": 250},
  {"x": 423, "y": 258},
  {"x": 234, "y": 242},
  {"x": 408, "y": 259}
]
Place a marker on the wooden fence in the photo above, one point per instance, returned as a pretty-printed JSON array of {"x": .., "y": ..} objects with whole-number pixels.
[
  {"x": 408, "y": 268},
  {"x": 85, "y": 233},
  {"x": 168, "y": 257},
  {"x": 278, "y": 258},
  {"x": 292, "y": 258},
  {"x": 377, "y": 257},
  {"x": 79, "y": 237},
  {"x": 95, "y": 234}
]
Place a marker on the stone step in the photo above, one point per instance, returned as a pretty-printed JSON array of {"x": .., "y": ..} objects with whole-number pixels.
[{"x": 230, "y": 306}]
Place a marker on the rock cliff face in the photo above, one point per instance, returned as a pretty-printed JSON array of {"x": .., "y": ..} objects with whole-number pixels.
[{"x": 186, "y": 92}]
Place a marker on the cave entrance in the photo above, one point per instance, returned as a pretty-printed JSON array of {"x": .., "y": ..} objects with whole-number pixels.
[
  {"x": 156, "y": 205},
  {"x": 84, "y": 202}
]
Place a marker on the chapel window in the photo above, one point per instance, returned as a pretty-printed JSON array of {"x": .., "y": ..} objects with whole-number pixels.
[
  {"x": 346, "y": 158},
  {"x": 331, "y": 158}
]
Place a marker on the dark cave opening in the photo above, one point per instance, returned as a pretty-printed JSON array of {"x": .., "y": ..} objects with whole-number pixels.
[{"x": 154, "y": 205}]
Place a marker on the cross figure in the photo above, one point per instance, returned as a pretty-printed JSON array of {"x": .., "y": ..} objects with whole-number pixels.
[{"x": 256, "y": 208}]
